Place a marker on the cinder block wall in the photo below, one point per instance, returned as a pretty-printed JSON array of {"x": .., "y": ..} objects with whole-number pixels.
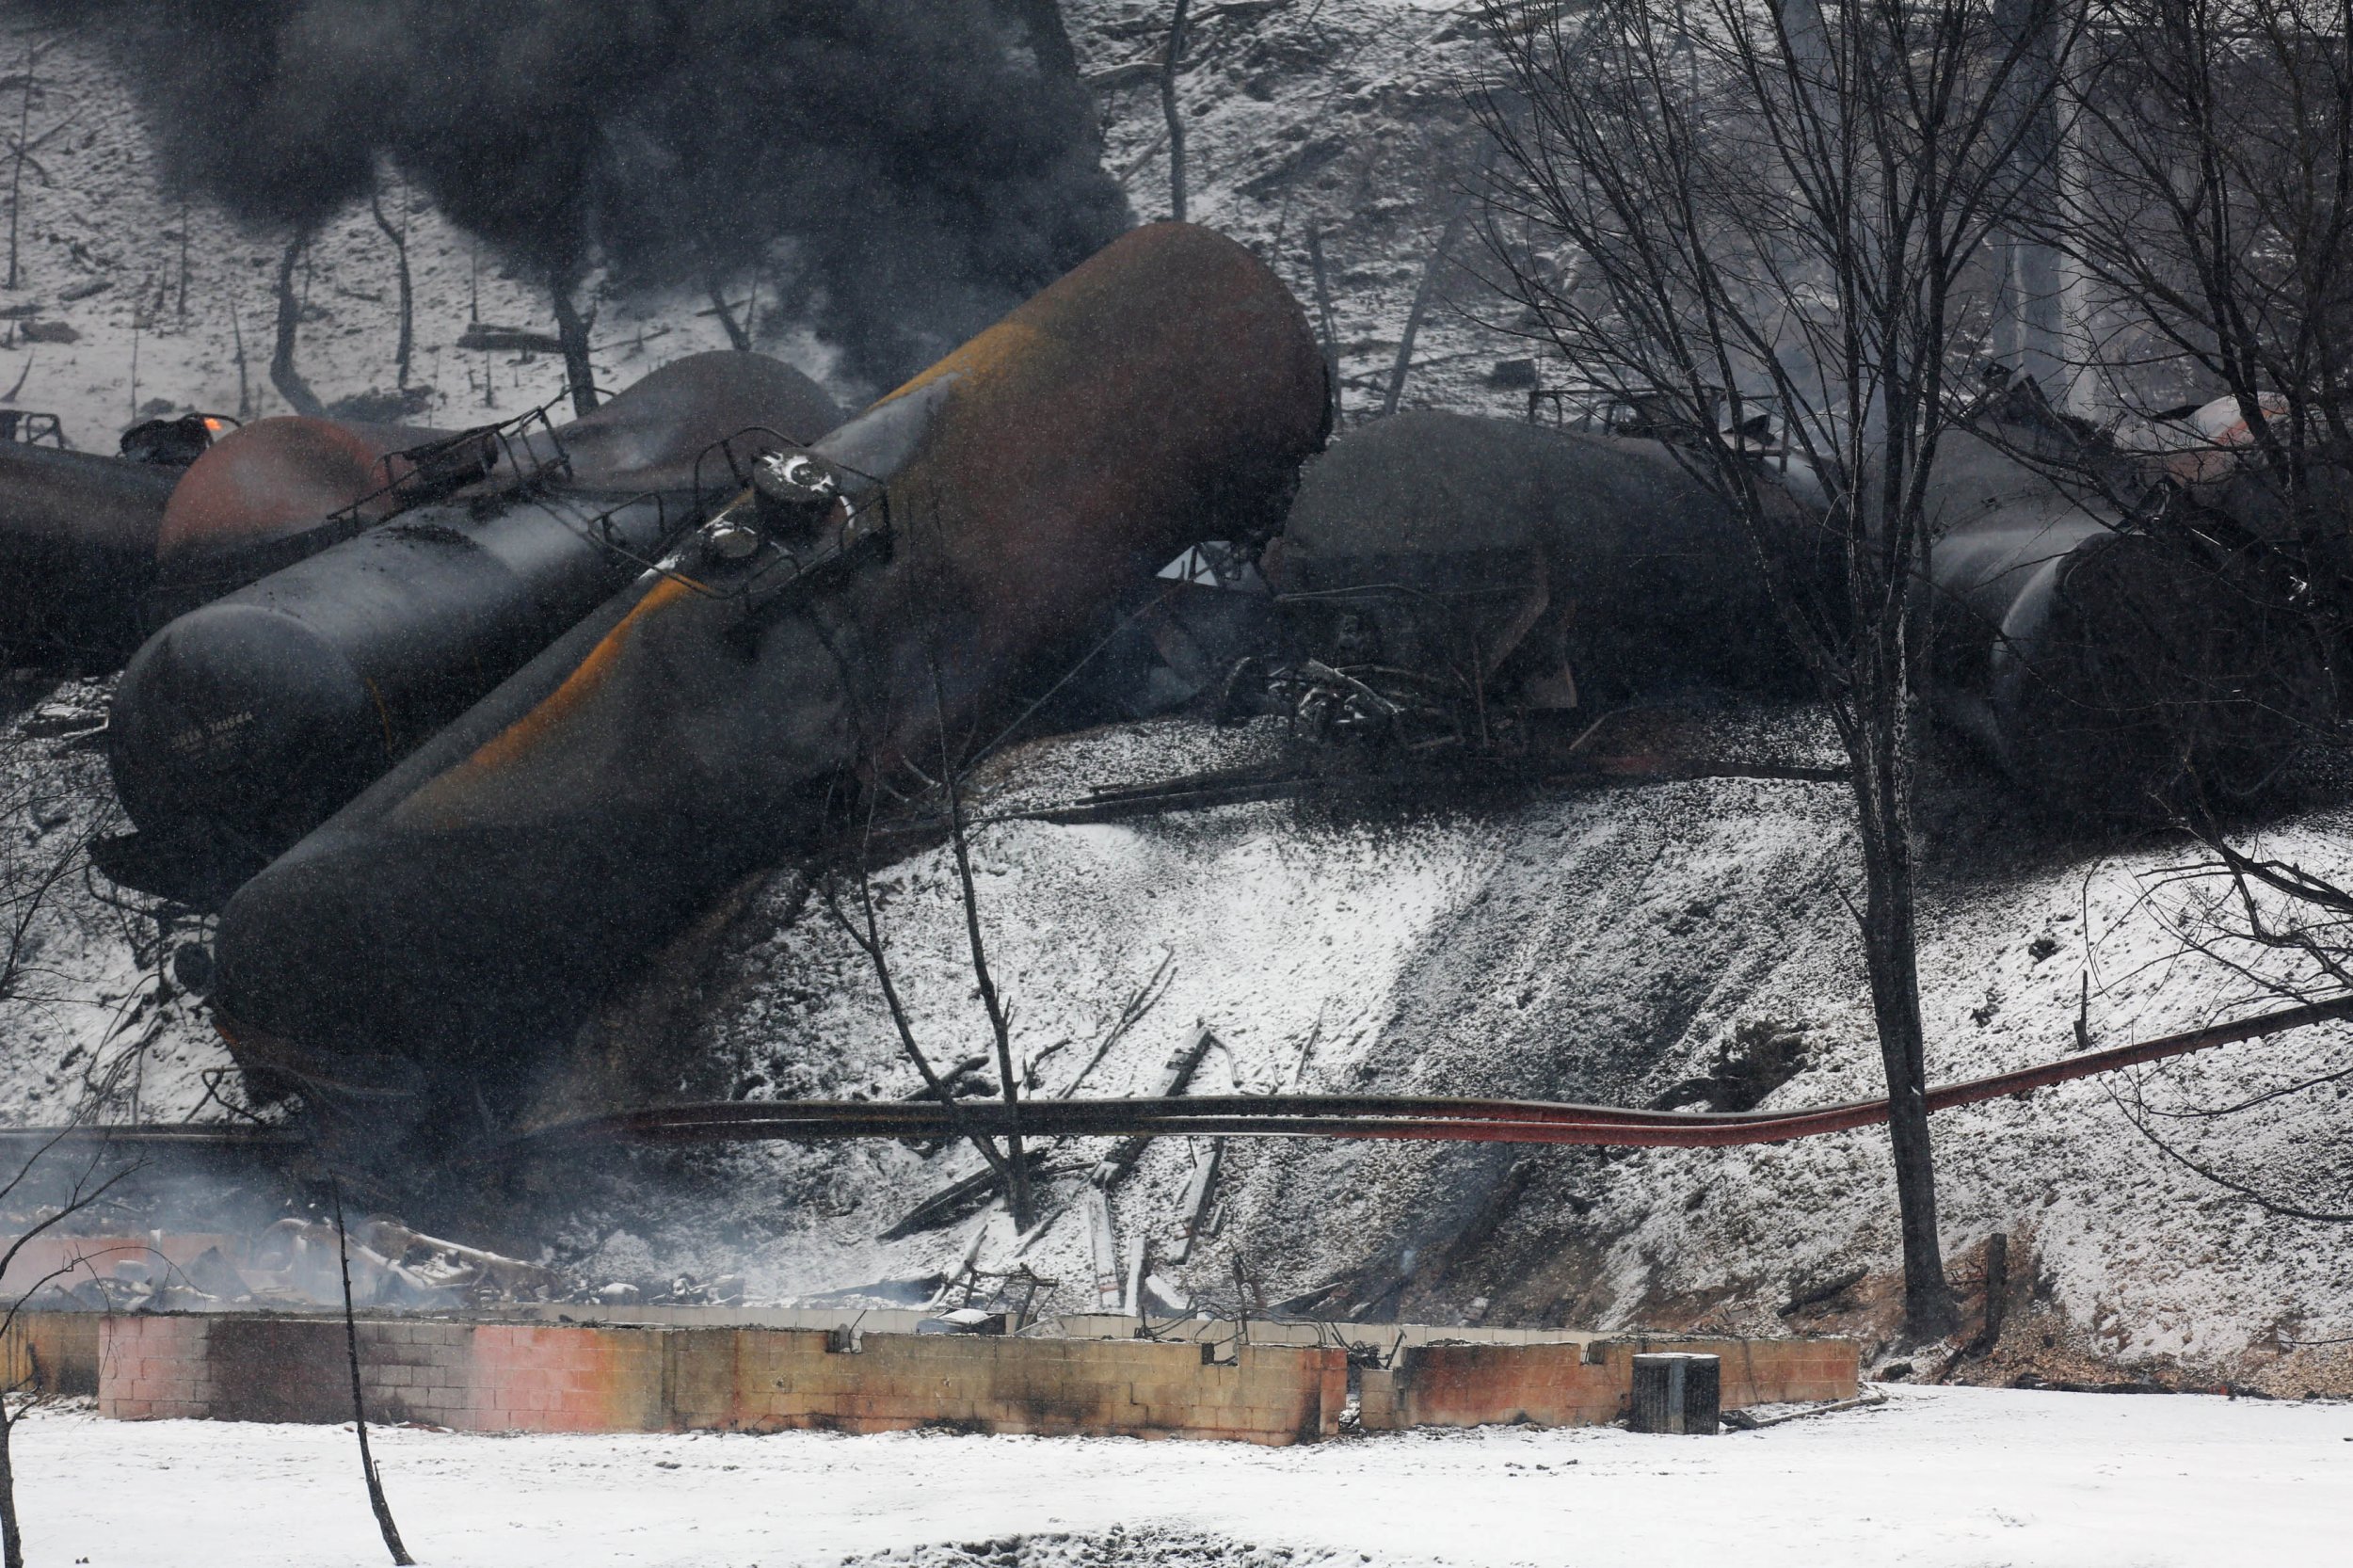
[
  {"x": 55, "y": 1352},
  {"x": 528, "y": 1376},
  {"x": 1564, "y": 1386},
  {"x": 504, "y": 1377},
  {"x": 155, "y": 1367}
]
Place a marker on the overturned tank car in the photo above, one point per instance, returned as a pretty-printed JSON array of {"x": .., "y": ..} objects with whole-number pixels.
[
  {"x": 244, "y": 723},
  {"x": 78, "y": 533},
  {"x": 77, "y": 553},
  {"x": 875, "y": 607},
  {"x": 2114, "y": 659},
  {"x": 98, "y": 550},
  {"x": 1443, "y": 577}
]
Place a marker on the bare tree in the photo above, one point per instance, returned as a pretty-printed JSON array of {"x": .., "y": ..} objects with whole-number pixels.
[
  {"x": 376, "y": 1503},
  {"x": 236, "y": 336},
  {"x": 2207, "y": 150},
  {"x": 1012, "y": 1163},
  {"x": 2210, "y": 148},
  {"x": 1170, "y": 63},
  {"x": 739, "y": 334},
  {"x": 1450, "y": 235},
  {"x": 20, "y": 150},
  {"x": 84, "y": 1189},
  {"x": 398, "y": 235},
  {"x": 1739, "y": 208},
  {"x": 282, "y": 374},
  {"x": 2284, "y": 932},
  {"x": 571, "y": 330},
  {"x": 1328, "y": 331}
]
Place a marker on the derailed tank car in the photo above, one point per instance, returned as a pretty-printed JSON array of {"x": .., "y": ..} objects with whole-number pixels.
[
  {"x": 90, "y": 547},
  {"x": 242, "y": 724},
  {"x": 1444, "y": 571},
  {"x": 2110, "y": 665},
  {"x": 892, "y": 593},
  {"x": 77, "y": 553}
]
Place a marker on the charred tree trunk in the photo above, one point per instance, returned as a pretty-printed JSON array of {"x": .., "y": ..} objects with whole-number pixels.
[
  {"x": 1326, "y": 327},
  {"x": 399, "y": 236},
  {"x": 16, "y": 168},
  {"x": 245, "y": 390},
  {"x": 282, "y": 374},
  {"x": 1880, "y": 753},
  {"x": 739, "y": 335},
  {"x": 11, "y": 1541},
  {"x": 571, "y": 329},
  {"x": 1448, "y": 238},
  {"x": 1169, "y": 108},
  {"x": 382, "y": 1509}
]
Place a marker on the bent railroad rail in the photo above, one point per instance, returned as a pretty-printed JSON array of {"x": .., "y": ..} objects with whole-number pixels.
[{"x": 1362, "y": 1116}]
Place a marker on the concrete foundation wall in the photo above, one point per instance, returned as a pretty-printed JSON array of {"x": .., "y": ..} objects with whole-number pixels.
[
  {"x": 508, "y": 1377},
  {"x": 1567, "y": 1384},
  {"x": 533, "y": 1377}
]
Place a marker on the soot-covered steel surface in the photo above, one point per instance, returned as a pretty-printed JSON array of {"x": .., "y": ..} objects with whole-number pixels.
[
  {"x": 91, "y": 546},
  {"x": 475, "y": 902},
  {"x": 2107, "y": 669},
  {"x": 1560, "y": 568},
  {"x": 244, "y": 724},
  {"x": 78, "y": 551}
]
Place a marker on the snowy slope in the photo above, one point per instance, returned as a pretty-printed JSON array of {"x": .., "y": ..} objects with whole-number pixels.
[{"x": 1598, "y": 947}]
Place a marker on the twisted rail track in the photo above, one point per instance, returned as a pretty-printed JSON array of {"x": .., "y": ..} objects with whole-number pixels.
[
  {"x": 1358, "y": 1116},
  {"x": 1405, "y": 1117}
]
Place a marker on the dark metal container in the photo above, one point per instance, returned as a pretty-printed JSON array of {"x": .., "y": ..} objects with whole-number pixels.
[
  {"x": 1676, "y": 1392},
  {"x": 77, "y": 553},
  {"x": 2106, "y": 668},
  {"x": 1552, "y": 569},
  {"x": 879, "y": 603},
  {"x": 244, "y": 724}
]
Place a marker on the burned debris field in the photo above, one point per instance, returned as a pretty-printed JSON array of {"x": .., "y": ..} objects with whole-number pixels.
[{"x": 1589, "y": 763}]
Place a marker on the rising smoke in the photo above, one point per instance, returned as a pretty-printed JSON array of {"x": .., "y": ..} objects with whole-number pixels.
[{"x": 914, "y": 168}]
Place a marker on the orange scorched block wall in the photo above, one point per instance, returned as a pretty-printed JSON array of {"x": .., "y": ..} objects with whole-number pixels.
[
  {"x": 505, "y": 1377},
  {"x": 528, "y": 1376}
]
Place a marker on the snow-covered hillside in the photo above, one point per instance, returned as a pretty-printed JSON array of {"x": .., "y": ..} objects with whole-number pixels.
[{"x": 1600, "y": 945}]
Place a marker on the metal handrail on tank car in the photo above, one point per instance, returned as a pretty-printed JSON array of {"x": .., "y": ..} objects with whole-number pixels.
[
  {"x": 28, "y": 428},
  {"x": 350, "y": 521},
  {"x": 842, "y": 548},
  {"x": 598, "y": 530}
]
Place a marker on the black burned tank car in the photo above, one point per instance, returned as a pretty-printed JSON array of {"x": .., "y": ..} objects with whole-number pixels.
[
  {"x": 904, "y": 588},
  {"x": 2107, "y": 665},
  {"x": 244, "y": 724},
  {"x": 1485, "y": 563},
  {"x": 77, "y": 553}
]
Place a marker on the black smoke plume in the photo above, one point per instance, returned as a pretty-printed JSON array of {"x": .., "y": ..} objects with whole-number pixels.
[{"x": 919, "y": 164}]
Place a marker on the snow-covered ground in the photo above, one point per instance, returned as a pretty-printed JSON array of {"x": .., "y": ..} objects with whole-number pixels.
[{"x": 1965, "y": 1478}]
